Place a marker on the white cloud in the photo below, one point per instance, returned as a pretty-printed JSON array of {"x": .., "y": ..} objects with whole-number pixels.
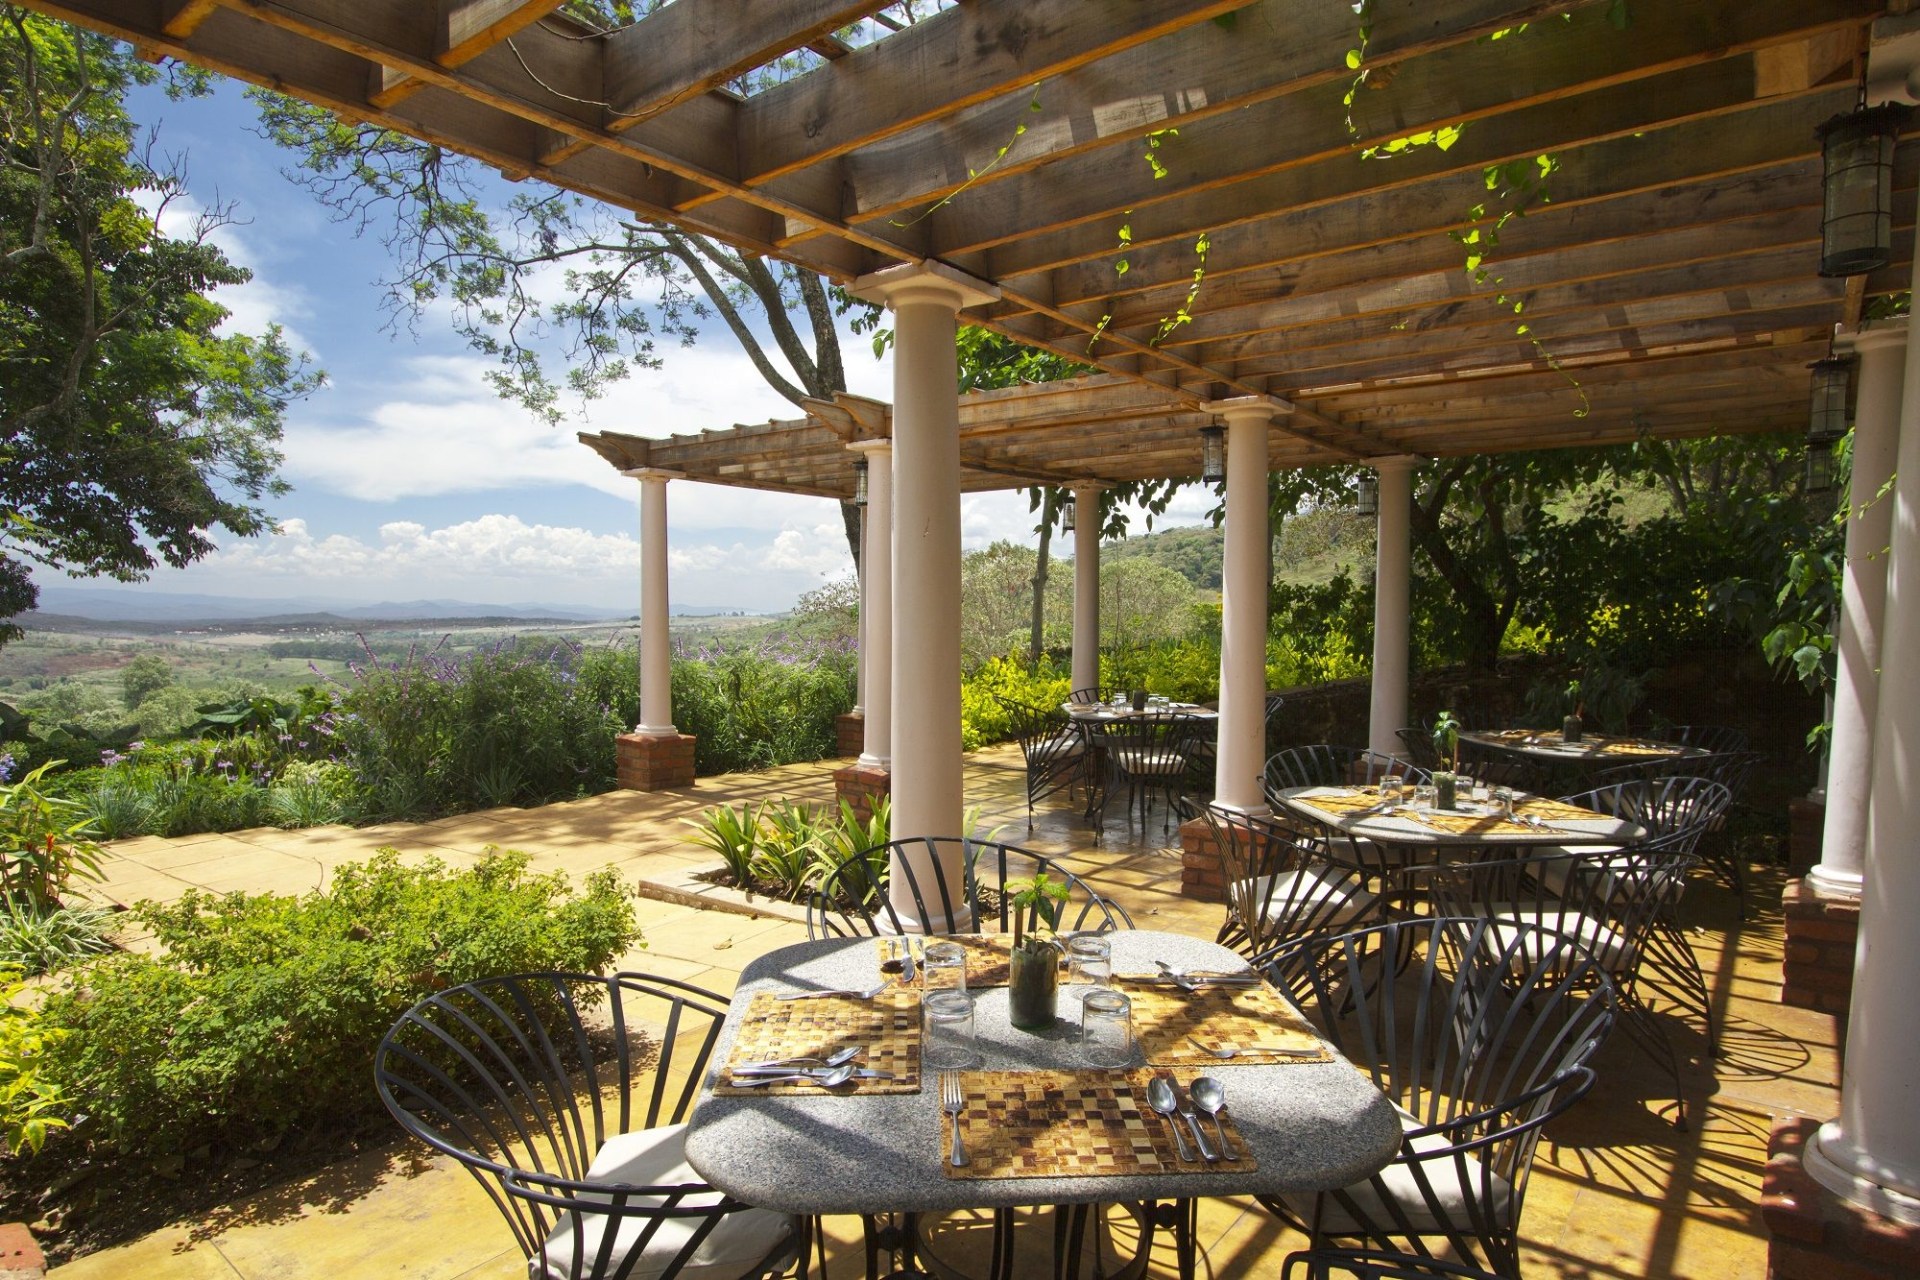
[{"x": 266, "y": 299}]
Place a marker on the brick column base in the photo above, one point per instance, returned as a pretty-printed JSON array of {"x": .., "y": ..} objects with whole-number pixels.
[
  {"x": 20, "y": 1256},
  {"x": 1816, "y": 1234},
  {"x": 860, "y": 785},
  {"x": 1817, "y": 966},
  {"x": 850, "y": 733},
  {"x": 1200, "y": 863},
  {"x": 643, "y": 762},
  {"x": 1806, "y": 832}
]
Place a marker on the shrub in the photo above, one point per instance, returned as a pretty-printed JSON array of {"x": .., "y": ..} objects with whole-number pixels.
[
  {"x": 31, "y": 1104},
  {"x": 772, "y": 704},
  {"x": 45, "y": 840},
  {"x": 983, "y": 720},
  {"x": 263, "y": 1012},
  {"x": 35, "y": 942}
]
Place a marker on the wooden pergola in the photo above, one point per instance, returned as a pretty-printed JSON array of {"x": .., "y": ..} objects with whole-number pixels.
[{"x": 1464, "y": 226}]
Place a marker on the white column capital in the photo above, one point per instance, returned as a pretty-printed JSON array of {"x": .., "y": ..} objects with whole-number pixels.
[
  {"x": 1241, "y": 408},
  {"x": 1393, "y": 462},
  {"x": 654, "y": 473},
  {"x": 1874, "y": 335},
  {"x": 877, "y": 445},
  {"x": 1089, "y": 486},
  {"x": 924, "y": 281}
]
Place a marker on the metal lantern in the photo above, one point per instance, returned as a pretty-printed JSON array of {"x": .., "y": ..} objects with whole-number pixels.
[
  {"x": 1067, "y": 504},
  {"x": 1856, "y": 220},
  {"x": 1213, "y": 454},
  {"x": 860, "y": 482},
  {"x": 1367, "y": 494},
  {"x": 1826, "y": 418}
]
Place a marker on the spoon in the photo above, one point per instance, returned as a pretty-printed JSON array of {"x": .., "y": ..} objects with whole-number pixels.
[
  {"x": 834, "y": 1059},
  {"x": 825, "y": 1079},
  {"x": 1160, "y": 1098},
  {"x": 868, "y": 994},
  {"x": 1192, "y": 982},
  {"x": 1228, "y": 1054},
  {"x": 1210, "y": 1096}
]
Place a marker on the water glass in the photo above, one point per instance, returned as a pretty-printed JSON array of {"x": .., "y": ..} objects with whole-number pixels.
[
  {"x": 1089, "y": 961},
  {"x": 1106, "y": 1028},
  {"x": 1390, "y": 787},
  {"x": 947, "y": 1041},
  {"x": 944, "y": 964},
  {"x": 1503, "y": 800},
  {"x": 1423, "y": 797}
]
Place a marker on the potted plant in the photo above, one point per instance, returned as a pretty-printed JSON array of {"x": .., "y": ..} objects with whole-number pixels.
[
  {"x": 1446, "y": 744},
  {"x": 1571, "y": 728},
  {"x": 1033, "y": 974}
]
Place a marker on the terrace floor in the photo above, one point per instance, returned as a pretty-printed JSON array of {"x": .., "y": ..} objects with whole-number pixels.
[{"x": 1616, "y": 1191}]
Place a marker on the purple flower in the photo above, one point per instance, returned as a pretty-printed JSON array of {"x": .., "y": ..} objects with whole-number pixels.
[
  {"x": 109, "y": 757},
  {"x": 6, "y": 767}
]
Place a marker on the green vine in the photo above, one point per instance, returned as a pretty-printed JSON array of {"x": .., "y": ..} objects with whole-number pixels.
[
  {"x": 974, "y": 175},
  {"x": 1183, "y": 314}
]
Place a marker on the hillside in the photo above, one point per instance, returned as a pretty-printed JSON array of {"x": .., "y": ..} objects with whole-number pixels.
[{"x": 1313, "y": 547}]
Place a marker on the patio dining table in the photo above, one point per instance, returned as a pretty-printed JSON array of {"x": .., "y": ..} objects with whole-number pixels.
[
  {"x": 1305, "y": 1125},
  {"x": 1095, "y": 712},
  {"x": 1362, "y": 813},
  {"x": 1593, "y": 749}
]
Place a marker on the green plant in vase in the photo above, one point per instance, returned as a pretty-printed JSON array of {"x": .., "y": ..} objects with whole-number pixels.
[
  {"x": 1446, "y": 744},
  {"x": 1572, "y": 727},
  {"x": 1033, "y": 972}
]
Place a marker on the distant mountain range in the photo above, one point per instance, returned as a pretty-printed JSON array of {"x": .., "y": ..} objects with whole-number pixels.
[{"x": 108, "y": 604}]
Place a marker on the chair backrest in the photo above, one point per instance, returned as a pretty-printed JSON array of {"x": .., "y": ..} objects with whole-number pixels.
[
  {"x": 1420, "y": 748},
  {"x": 523, "y": 1078},
  {"x": 1480, "y": 1035},
  {"x": 1322, "y": 764},
  {"x": 1671, "y": 805},
  {"x": 1708, "y": 737},
  {"x": 940, "y": 875},
  {"x": 1280, "y": 884},
  {"x": 1088, "y": 697}
]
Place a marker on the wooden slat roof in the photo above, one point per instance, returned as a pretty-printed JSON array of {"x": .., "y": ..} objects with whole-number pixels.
[{"x": 1671, "y": 274}]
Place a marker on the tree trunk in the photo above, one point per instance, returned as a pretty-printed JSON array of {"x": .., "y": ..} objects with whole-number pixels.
[{"x": 1049, "y": 503}]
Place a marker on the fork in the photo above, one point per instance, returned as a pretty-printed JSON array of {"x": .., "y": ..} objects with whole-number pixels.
[
  {"x": 953, "y": 1101},
  {"x": 1225, "y": 1055},
  {"x": 868, "y": 994}
]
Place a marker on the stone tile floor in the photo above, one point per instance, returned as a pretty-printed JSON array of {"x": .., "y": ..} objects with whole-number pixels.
[{"x": 1616, "y": 1191}]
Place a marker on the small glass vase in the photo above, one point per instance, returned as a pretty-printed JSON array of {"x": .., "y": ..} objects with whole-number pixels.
[
  {"x": 1444, "y": 789},
  {"x": 1033, "y": 985},
  {"x": 1571, "y": 729}
]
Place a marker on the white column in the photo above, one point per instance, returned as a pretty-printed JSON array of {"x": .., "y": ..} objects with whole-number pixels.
[
  {"x": 1870, "y": 1154},
  {"x": 1392, "y": 602},
  {"x": 656, "y": 649},
  {"x": 1863, "y": 598},
  {"x": 876, "y": 609},
  {"x": 1086, "y": 587},
  {"x": 860, "y": 626},
  {"x": 1243, "y": 608},
  {"x": 926, "y": 299}
]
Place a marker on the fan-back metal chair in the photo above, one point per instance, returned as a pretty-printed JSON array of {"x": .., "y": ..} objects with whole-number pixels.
[
  {"x": 1144, "y": 754},
  {"x": 564, "y": 1095},
  {"x": 1480, "y": 1040},
  {"x": 1713, "y": 738},
  {"x": 1322, "y": 764},
  {"x": 1420, "y": 748},
  {"x": 856, "y": 898},
  {"x": 1280, "y": 888},
  {"x": 1375, "y": 1264},
  {"x": 1053, "y": 746}
]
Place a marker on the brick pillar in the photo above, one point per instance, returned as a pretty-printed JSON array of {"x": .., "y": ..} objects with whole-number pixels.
[
  {"x": 1815, "y": 1234},
  {"x": 20, "y": 1257},
  {"x": 653, "y": 762},
  {"x": 1200, "y": 863},
  {"x": 1817, "y": 967},
  {"x": 850, "y": 734},
  {"x": 860, "y": 785}
]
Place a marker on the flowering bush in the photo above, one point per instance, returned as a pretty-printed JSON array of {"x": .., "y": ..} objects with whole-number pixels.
[
  {"x": 983, "y": 721},
  {"x": 774, "y": 703}
]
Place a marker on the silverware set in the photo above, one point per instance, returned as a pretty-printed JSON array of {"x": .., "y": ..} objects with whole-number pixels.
[
  {"x": 1227, "y": 1054},
  {"x": 1211, "y": 1096},
  {"x": 953, "y": 1101},
  {"x": 850, "y": 992}
]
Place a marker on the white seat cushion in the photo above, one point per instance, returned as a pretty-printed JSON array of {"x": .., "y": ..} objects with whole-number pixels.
[
  {"x": 1146, "y": 762},
  {"x": 1451, "y": 1181},
  {"x": 655, "y": 1158},
  {"x": 1608, "y": 949},
  {"x": 1314, "y": 897}
]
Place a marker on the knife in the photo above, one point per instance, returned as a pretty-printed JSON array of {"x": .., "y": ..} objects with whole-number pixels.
[{"x": 864, "y": 1073}]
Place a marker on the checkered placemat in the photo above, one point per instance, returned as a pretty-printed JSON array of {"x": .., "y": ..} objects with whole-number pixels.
[
  {"x": 887, "y": 1027},
  {"x": 989, "y": 957},
  {"x": 1476, "y": 819},
  {"x": 1219, "y": 1018},
  {"x": 1073, "y": 1124}
]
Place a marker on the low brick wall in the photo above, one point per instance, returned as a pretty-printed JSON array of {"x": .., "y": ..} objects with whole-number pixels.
[
  {"x": 850, "y": 734},
  {"x": 1815, "y": 1234},
  {"x": 645, "y": 762},
  {"x": 1200, "y": 874},
  {"x": 1816, "y": 967},
  {"x": 20, "y": 1255},
  {"x": 860, "y": 785}
]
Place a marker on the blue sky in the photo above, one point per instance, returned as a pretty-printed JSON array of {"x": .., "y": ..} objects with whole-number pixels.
[{"x": 413, "y": 480}]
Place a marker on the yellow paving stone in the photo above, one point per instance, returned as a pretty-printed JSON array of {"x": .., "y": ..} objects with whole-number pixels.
[{"x": 167, "y": 1254}]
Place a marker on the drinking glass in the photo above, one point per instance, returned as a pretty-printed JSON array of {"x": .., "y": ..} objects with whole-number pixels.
[
  {"x": 1503, "y": 798},
  {"x": 947, "y": 1040},
  {"x": 1106, "y": 1028},
  {"x": 1390, "y": 787},
  {"x": 945, "y": 966},
  {"x": 1089, "y": 961},
  {"x": 1423, "y": 797}
]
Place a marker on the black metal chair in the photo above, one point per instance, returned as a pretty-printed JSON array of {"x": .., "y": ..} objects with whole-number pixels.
[
  {"x": 1144, "y": 754},
  {"x": 1280, "y": 888},
  {"x": 1089, "y": 697},
  {"x": 1480, "y": 1040},
  {"x": 1608, "y": 902},
  {"x": 1322, "y": 764},
  {"x": 564, "y": 1095},
  {"x": 1053, "y": 746},
  {"x": 1271, "y": 722},
  {"x": 1376, "y": 1264},
  {"x": 1713, "y": 738},
  {"x": 1420, "y": 748},
  {"x": 942, "y": 874}
]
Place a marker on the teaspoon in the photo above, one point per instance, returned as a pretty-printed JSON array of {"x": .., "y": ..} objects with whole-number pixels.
[
  {"x": 1160, "y": 1098},
  {"x": 1210, "y": 1096},
  {"x": 825, "y": 1079}
]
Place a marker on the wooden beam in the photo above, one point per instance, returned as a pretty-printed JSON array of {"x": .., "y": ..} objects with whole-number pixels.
[{"x": 181, "y": 18}]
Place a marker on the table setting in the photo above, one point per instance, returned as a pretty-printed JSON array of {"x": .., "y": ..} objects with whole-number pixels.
[
  {"x": 1552, "y": 744},
  {"x": 1393, "y": 813}
]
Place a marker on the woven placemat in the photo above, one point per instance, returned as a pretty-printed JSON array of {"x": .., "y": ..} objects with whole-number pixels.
[
  {"x": 1588, "y": 744},
  {"x": 1478, "y": 819},
  {"x": 1219, "y": 1018},
  {"x": 1558, "y": 811},
  {"x": 887, "y": 1027},
  {"x": 989, "y": 957},
  {"x": 1073, "y": 1124}
]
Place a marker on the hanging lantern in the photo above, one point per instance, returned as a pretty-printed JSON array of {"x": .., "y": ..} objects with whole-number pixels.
[
  {"x": 1067, "y": 505},
  {"x": 1856, "y": 219},
  {"x": 1367, "y": 494},
  {"x": 1213, "y": 454},
  {"x": 860, "y": 482},
  {"x": 1826, "y": 418}
]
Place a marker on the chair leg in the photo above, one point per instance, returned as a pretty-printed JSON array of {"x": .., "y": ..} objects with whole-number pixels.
[
  {"x": 1673, "y": 969},
  {"x": 1647, "y": 1032}
]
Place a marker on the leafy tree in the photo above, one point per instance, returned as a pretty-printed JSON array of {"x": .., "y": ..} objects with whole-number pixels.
[
  {"x": 129, "y": 428},
  {"x": 145, "y": 675}
]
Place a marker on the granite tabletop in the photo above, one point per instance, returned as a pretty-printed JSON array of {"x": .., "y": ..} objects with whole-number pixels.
[
  {"x": 1404, "y": 825},
  {"x": 1312, "y": 1126}
]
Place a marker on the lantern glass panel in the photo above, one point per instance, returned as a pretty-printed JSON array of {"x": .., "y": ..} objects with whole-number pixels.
[
  {"x": 1213, "y": 455},
  {"x": 860, "y": 483},
  {"x": 1856, "y": 225},
  {"x": 1827, "y": 402},
  {"x": 1367, "y": 498},
  {"x": 1068, "y": 513},
  {"x": 1819, "y": 477}
]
